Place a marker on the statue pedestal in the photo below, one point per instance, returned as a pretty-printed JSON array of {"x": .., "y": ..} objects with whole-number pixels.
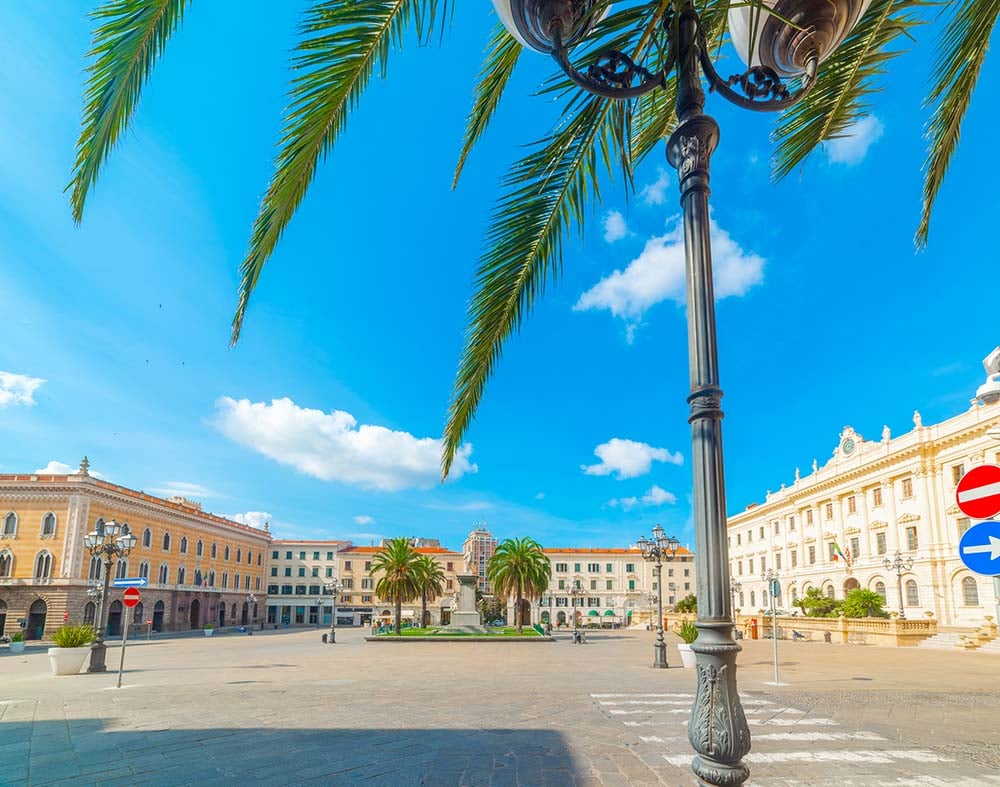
[{"x": 465, "y": 616}]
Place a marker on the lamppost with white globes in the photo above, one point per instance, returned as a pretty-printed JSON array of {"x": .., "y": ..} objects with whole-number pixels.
[
  {"x": 576, "y": 591},
  {"x": 333, "y": 588},
  {"x": 900, "y": 565},
  {"x": 660, "y": 548},
  {"x": 109, "y": 541},
  {"x": 787, "y": 44}
]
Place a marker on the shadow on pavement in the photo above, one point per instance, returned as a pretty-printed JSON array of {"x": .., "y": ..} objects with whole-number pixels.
[{"x": 83, "y": 752}]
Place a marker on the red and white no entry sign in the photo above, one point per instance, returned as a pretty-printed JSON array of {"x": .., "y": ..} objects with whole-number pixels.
[
  {"x": 130, "y": 597},
  {"x": 978, "y": 493}
]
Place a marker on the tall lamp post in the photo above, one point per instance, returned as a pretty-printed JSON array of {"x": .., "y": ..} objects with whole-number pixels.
[
  {"x": 770, "y": 577},
  {"x": 576, "y": 591},
  {"x": 110, "y": 541},
  {"x": 333, "y": 587},
  {"x": 789, "y": 45},
  {"x": 900, "y": 565},
  {"x": 651, "y": 597},
  {"x": 660, "y": 548},
  {"x": 734, "y": 588}
]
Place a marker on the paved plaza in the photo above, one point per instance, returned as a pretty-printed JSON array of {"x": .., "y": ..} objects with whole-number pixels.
[{"x": 281, "y": 708}]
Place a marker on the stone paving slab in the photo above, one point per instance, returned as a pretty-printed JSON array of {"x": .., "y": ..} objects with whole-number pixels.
[{"x": 282, "y": 708}]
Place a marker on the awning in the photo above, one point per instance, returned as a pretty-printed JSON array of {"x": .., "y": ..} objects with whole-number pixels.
[
  {"x": 594, "y": 612},
  {"x": 609, "y": 613}
]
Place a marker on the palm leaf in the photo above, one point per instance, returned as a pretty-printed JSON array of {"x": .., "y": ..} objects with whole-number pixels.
[
  {"x": 546, "y": 191},
  {"x": 342, "y": 46},
  {"x": 844, "y": 80},
  {"x": 501, "y": 57},
  {"x": 963, "y": 48},
  {"x": 129, "y": 38}
]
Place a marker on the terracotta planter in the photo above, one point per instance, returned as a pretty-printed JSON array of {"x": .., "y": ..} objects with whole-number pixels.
[
  {"x": 17, "y": 647},
  {"x": 687, "y": 655},
  {"x": 67, "y": 661}
]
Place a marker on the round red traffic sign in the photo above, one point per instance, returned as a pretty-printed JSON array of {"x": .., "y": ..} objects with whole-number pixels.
[
  {"x": 131, "y": 597},
  {"x": 978, "y": 493}
]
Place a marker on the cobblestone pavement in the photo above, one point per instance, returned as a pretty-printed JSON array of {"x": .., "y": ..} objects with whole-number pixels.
[{"x": 281, "y": 708}]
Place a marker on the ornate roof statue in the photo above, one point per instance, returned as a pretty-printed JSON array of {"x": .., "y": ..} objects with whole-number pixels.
[{"x": 84, "y": 466}]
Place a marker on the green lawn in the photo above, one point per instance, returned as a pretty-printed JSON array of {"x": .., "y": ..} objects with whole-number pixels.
[{"x": 443, "y": 632}]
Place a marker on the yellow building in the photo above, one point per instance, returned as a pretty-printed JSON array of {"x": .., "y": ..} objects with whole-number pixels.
[{"x": 201, "y": 568}]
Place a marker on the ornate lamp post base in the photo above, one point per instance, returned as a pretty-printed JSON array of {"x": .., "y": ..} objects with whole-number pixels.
[
  {"x": 660, "y": 652},
  {"x": 98, "y": 652}
]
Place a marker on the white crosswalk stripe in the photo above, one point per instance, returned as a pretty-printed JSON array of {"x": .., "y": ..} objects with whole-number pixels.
[{"x": 784, "y": 738}]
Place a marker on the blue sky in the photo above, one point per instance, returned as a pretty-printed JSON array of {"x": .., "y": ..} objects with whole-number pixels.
[{"x": 324, "y": 418}]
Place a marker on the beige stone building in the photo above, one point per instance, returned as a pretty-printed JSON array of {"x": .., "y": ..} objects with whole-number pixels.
[
  {"x": 872, "y": 498},
  {"x": 298, "y": 572},
  {"x": 201, "y": 568}
]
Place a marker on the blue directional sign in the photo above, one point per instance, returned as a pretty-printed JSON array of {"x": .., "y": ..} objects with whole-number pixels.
[
  {"x": 131, "y": 582},
  {"x": 775, "y": 588},
  {"x": 980, "y": 548}
]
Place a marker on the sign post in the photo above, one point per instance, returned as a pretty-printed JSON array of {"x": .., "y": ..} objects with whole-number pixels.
[
  {"x": 130, "y": 598},
  {"x": 775, "y": 590},
  {"x": 149, "y": 628}
]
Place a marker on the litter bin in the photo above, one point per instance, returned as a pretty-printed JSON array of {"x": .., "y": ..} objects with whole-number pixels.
[{"x": 324, "y": 639}]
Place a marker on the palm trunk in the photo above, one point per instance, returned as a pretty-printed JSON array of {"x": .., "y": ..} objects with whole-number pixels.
[
  {"x": 517, "y": 611},
  {"x": 399, "y": 615},
  {"x": 423, "y": 610}
]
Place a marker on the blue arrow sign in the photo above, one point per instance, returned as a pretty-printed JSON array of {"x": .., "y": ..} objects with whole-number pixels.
[
  {"x": 980, "y": 548},
  {"x": 131, "y": 582}
]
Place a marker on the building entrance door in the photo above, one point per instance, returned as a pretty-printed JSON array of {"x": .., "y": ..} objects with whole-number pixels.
[
  {"x": 195, "y": 614},
  {"x": 245, "y": 617},
  {"x": 222, "y": 615},
  {"x": 158, "y": 616},
  {"x": 115, "y": 619},
  {"x": 36, "y": 620}
]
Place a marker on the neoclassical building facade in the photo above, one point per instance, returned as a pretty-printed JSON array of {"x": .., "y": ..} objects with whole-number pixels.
[
  {"x": 870, "y": 500},
  {"x": 201, "y": 568}
]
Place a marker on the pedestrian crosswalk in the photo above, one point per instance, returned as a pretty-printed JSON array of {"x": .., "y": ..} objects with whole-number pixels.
[{"x": 791, "y": 747}]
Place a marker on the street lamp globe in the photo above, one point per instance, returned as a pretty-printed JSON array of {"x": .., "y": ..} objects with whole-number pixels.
[
  {"x": 798, "y": 34},
  {"x": 111, "y": 528},
  {"x": 533, "y": 22},
  {"x": 126, "y": 542},
  {"x": 91, "y": 540}
]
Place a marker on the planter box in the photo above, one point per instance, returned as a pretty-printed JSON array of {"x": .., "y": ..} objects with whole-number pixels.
[
  {"x": 209, "y": 632},
  {"x": 17, "y": 647},
  {"x": 687, "y": 655},
  {"x": 67, "y": 661}
]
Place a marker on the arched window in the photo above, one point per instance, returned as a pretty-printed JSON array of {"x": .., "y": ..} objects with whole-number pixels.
[
  {"x": 184, "y": 545},
  {"x": 6, "y": 563},
  {"x": 137, "y": 614},
  {"x": 211, "y": 579},
  {"x": 742, "y": 601},
  {"x": 830, "y": 592},
  {"x": 258, "y": 558},
  {"x": 225, "y": 579},
  {"x": 125, "y": 529},
  {"x": 147, "y": 538},
  {"x": 246, "y": 582},
  {"x": 226, "y": 553},
  {"x": 880, "y": 589},
  {"x": 166, "y": 542},
  {"x": 249, "y": 557},
  {"x": 753, "y": 601},
  {"x": 96, "y": 567},
  {"x": 197, "y": 577},
  {"x": 763, "y": 597},
  {"x": 43, "y": 565},
  {"x": 181, "y": 575},
  {"x": 144, "y": 569},
  {"x": 99, "y": 526},
  {"x": 236, "y": 581},
  {"x": 199, "y": 549},
  {"x": 912, "y": 596},
  {"x": 48, "y": 525},
  {"x": 9, "y": 525},
  {"x": 795, "y": 593},
  {"x": 161, "y": 577},
  {"x": 89, "y": 613},
  {"x": 970, "y": 592},
  {"x": 239, "y": 555},
  {"x": 256, "y": 583},
  {"x": 121, "y": 568}
]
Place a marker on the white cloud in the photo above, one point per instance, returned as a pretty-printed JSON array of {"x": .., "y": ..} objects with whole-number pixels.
[
  {"x": 657, "y": 274},
  {"x": 628, "y": 459},
  {"x": 183, "y": 489},
  {"x": 252, "y": 518},
  {"x": 55, "y": 467},
  {"x": 656, "y": 192},
  {"x": 615, "y": 227},
  {"x": 852, "y": 145},
  {"x": 364, "y": 519},
  {"x": 18, "y": 389},
  {"x": 333, "y": 447},
  {"x": 655, "y": 496},
  {"x": 540, "y": 496}
]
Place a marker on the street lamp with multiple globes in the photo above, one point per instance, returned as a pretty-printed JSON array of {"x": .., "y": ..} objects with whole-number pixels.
[
  {"x": 576, "y": 591},
  {"x": 734, "y": 588},
  {"x": 788, "y": 44},
  {"x": 109, "y": 541},
  {"x": 900, "y": 565},
  {"x": 333, "y": 587},
  {"x": 660, "y": 548}
]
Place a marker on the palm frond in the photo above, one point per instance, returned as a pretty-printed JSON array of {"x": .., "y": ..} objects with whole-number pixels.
[
  {"x": 130, "y": 37},
  {"x": 962, "y": 50},
  {"x": 844, "y": 81},
  {"x": 343, "y": 45},
  {"x": 546, "y": 192},
  {"x": 501, "y": 58}
]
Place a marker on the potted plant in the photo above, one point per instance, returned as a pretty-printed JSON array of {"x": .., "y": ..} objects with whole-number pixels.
[
  {"x": 688, "y": 633},
  {"x": 209, "y": 629},
  {"x": 72, "y": 647},
  {"x": 17, "y": 642}
]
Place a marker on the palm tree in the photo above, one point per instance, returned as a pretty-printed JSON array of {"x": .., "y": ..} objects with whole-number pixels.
[
  {"x": 400, "y": 580},
  {"x": 344, "y": 42},
  {"x": 518, "y": 568},
  {"x": 430, "y": 577}
]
